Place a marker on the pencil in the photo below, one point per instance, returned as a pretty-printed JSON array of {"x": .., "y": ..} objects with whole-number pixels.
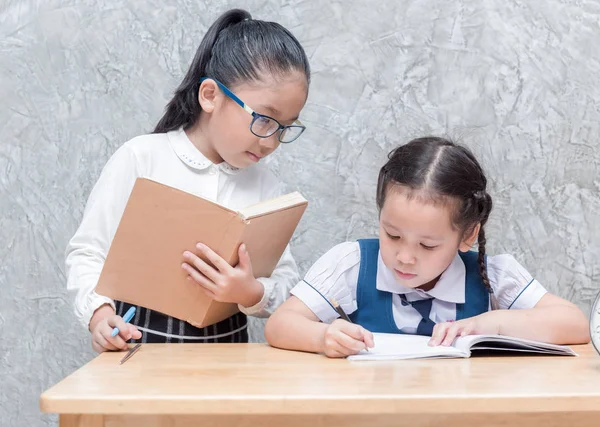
[
  {"x": 340, "y": 311},
  {"x": 342, "y": 314}
]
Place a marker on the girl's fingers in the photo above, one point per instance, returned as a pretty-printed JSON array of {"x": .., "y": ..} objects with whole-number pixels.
[
  {"x": 117, "y": 322},
  {"x": 220, "y": 264},
  {"x": 368, "y": 338},
  {"x": 104, "y": 343},
  {"x": 350, "y": 345},
  {"x": 200, "y": 278},
  {"x": 350, "y": 329},
  {"x": 451, "y": 334},
  {"x": 201, "y": 266},
  {"x": 134, "y": 332},
  {"x": 439, "y": 333}
]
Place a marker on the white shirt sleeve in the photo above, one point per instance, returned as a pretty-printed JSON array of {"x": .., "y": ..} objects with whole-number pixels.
[
  {"x": 513, "y": 286},
  {"x": 87, "y": 249},
  {"x": 333, "y": 276},
  {"x": 276, "y": 287}
]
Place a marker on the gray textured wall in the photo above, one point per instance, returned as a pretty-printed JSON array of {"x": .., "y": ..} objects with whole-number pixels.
[{"x": 516, "y": 81}]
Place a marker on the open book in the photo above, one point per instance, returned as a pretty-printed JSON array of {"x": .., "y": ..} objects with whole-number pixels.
[
  {"x": 143, "y": 265},
  {"x": 399, "y": 346}
]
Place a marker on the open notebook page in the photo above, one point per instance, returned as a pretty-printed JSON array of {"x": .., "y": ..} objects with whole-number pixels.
[{"x": 398, "y": 346}]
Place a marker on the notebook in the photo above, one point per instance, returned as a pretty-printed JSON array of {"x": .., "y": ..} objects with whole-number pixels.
[{"x": 400, "y": 346}]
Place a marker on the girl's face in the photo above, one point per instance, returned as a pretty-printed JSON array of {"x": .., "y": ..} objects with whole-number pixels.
[
  {"x": 228, "y": 130},
  {"x": 417, "y": 239}
]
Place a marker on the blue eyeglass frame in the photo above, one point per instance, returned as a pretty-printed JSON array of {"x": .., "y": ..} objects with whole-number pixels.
[{"x": 281, "y": 128}]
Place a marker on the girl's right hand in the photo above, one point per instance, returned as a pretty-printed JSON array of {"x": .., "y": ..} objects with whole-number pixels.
[
  {"x": 344, "y": 339},
  {"x": 102, "y": 324}
]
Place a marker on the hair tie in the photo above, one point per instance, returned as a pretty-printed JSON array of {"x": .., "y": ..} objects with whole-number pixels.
[{"x": 479, "y": 195}]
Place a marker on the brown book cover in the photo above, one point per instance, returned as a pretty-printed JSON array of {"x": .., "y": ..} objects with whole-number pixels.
[{"x": 143, "y": 265}]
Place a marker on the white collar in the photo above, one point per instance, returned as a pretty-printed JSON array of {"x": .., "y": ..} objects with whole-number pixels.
[
  {"x": 191, "y": 156},
  {"x": 450, "y": 287}
]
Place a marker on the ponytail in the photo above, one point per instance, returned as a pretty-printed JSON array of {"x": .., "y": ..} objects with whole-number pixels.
[
  {"x": 236, "y": 49},
  {"x": 184, "y": 108}
]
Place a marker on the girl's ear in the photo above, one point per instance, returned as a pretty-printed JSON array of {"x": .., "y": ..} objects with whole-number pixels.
[
  {"x": 469, "y": 239},
  {"x": 207, "y": 95}
]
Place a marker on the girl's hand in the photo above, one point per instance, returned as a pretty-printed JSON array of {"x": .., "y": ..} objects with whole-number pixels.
[
  {"x": 101, "y": 326},
  {"x": 223, "y": 282},
  {"x": 343, "y": 339},
  {"x": 484, "y": 324}
]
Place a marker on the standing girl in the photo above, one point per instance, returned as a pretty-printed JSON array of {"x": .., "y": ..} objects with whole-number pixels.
[{"x": 239, "y": 100}]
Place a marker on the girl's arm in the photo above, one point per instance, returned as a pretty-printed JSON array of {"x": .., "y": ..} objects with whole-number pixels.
[
  {"x": 552, "y": 320},
  {"x": 87, "y": 249},
  {"x": 294, "y": 326},
  {"x": 276, "y": 287}
]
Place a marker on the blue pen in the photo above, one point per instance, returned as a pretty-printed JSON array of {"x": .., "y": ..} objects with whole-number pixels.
[{"x": 128, "y": 316}]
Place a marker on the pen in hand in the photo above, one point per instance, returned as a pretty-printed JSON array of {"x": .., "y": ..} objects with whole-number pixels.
[
  {"x": 343, "y": 314},
  {"x": 128, "y": 316},
  {"x": 340, "y": 311}
]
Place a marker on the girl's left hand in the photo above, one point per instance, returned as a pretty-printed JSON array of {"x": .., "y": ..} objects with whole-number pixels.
[
  {"x": 223, "y": 282},
  {"x": 484, "y": 324}
]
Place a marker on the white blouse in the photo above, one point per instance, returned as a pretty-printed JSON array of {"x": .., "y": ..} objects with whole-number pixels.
[
  {"x": 335, "y": 275},
  {"x": 171, "y": 159}
]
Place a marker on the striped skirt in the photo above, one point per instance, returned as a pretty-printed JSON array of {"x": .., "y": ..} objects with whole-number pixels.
[{"x": 160, "y": 328}]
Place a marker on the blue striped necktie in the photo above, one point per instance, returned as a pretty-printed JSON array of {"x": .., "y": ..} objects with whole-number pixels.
[{"x": 423, "y": 306}]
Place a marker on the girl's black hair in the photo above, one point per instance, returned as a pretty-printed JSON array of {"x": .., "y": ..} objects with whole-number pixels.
[
  {"x": 235, "y": 49},
  {"x": 443, "y": 172}
]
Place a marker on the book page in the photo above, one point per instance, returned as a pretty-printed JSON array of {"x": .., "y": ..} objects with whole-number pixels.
[
  {"x": 504, "y": 343},
  {"x": 401, "y": 346},
  {"x": 273, "y": 205}
]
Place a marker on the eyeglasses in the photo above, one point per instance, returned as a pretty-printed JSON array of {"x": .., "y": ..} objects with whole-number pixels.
[{"x": 261, "y": 125}]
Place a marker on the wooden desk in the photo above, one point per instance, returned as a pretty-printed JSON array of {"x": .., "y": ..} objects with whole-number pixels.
[{"x": 189, "y": 385}]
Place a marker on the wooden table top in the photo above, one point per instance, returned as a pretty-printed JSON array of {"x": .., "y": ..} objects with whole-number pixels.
[{"x": 255, "y": 378}]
